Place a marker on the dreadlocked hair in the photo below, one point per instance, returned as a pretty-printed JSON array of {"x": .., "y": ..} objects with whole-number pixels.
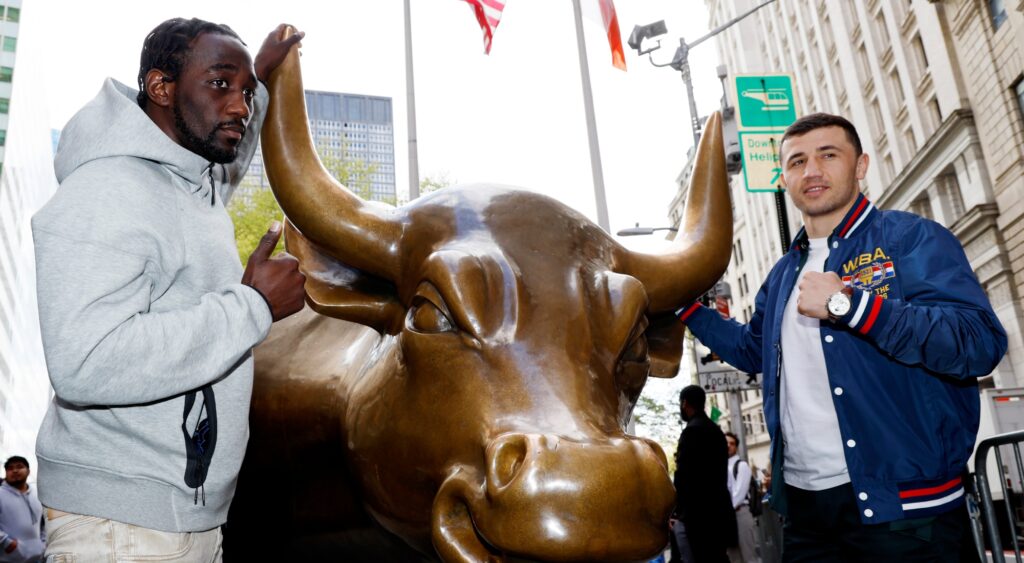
[{"x": 167, "y": 48}]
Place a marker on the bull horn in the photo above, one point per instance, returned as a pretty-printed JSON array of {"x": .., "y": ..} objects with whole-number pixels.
[
  {"x": 703, "y": 245},
  {"x": 361, "y": 234}
]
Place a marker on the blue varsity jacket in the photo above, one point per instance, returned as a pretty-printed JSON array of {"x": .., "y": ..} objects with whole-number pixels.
[{"x": 902, "y": 364}]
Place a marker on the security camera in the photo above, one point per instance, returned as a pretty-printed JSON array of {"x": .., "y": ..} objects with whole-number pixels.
[{"x": 649, "y": 31}]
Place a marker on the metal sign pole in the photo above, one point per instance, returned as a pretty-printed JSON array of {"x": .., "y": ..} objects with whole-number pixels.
[{"x": 736, "y": 414}]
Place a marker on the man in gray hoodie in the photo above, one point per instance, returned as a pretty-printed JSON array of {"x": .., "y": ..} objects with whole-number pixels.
[
  {"x": 21, "y": 516},
  {"x": 148, "y": 320}
]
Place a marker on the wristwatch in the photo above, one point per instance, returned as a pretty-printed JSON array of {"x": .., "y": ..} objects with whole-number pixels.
[{"x": 838, "y": 304}]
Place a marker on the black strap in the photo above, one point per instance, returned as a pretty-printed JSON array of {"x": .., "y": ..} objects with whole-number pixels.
[
  {"x": 736, "y": 475},
  {"x": 201, "y": 442}
]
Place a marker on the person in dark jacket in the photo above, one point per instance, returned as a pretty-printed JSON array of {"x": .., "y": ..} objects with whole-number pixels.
[
  {"x": 703, "y": 504},
  {"x": 871, "y": 333}
]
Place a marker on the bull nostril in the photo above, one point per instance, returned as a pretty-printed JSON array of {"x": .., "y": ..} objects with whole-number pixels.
[{"x": 506, "y": 456}]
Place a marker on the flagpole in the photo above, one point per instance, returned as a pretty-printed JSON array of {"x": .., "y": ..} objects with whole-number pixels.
[
  {"x": 410, "y": 109},
  {"x": 588, "y": 105}
]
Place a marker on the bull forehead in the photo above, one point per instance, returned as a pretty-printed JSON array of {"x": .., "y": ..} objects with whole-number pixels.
[{"x": 519, "y": 222}]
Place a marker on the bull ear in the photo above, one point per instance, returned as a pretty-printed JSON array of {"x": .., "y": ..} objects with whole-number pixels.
[
  {"x": 665, "y": 344},
  {"x": 337, "y": 290}
]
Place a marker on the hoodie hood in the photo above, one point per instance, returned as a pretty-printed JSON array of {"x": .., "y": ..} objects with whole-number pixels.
[{"x": 113, "y": 125}]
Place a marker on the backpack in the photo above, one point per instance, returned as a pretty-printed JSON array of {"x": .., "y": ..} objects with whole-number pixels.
[{"x": 753, "y": 492}]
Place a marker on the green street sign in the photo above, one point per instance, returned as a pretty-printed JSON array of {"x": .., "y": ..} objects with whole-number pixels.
[
  {"x": 765, "y": 102},
  {"x": 762, "y": 171}
]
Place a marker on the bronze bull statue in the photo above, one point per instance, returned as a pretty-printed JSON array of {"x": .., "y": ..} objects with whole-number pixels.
[{"x": 465, "y": 371}]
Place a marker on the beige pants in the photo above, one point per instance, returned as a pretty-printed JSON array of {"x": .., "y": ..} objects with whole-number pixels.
[
  {"x": 746, "y": 552},
  {"x": 73, "y": 538}
]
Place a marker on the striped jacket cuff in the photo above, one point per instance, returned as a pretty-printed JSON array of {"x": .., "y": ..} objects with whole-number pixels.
[
  {"x": 869, "y": 313},
  {"x": 932, "y": 498},
  {"x": 684, "y": 313}
]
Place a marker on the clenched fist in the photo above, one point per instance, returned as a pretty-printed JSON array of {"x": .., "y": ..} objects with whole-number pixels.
[{"x": 815, "y": 288}]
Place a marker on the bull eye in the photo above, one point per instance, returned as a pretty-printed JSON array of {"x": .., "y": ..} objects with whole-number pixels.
[
  {"x": 427, "y": 317},
  {"x": 634, "y": 364},
  {"x": 636, "y": 351}
]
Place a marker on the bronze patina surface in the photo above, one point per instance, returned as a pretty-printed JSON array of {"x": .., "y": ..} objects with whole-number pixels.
[{"x": 465, "y": 368}]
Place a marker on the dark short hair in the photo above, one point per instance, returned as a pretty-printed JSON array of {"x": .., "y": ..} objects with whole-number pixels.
[
  {"x": 813, "y": 121},
  {"x": 693, "y": 395},
  {"x": 733, "y": 436},
  {"x": 167, "y": 47},
  {"x": 15, "y": 459}
]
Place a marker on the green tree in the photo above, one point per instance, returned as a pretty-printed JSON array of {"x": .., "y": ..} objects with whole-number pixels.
[
  {"x": 253, "y": 208},
  {"x": 354, "y": 174},
  {"x": 433, "y": 183}
]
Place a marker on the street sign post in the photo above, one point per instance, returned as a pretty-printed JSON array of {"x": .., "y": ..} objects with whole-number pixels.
[
  {"x": 759, "y": 153},
  {"x": 719, "y": 381},
  {"x": 765, "y": 106},
  {"x": 716, "y": 376},
  {"x": 765, "y": 102}
]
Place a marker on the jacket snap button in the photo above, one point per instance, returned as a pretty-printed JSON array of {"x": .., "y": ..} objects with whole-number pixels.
[
  {"x": 863, "y": 496},
  {"x": 835, "y": 244},
  {"x": 838, "y": 391},
  {"x": 851, "y": 443},
  {"x": 829, "y": 339},
  {"x": 869, "y": 513}
]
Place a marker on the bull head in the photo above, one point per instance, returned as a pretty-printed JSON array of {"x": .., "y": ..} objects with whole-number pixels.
[{"x": 522, "y": 337}]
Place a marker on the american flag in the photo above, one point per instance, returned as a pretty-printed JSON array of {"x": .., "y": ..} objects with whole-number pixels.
[{"x": 488, "y": 14}]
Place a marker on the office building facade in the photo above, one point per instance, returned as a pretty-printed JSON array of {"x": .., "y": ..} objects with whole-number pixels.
[
  {"x": 348, "y": 128},
  {"x": 26, "y": 182}
]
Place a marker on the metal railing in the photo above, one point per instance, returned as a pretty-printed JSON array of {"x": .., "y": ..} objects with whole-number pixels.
[{"x": 983, "y": 493}]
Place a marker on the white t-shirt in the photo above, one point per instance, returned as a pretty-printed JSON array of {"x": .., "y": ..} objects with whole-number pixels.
[
  {"x": 740, "y": 485},
  {"x": 814, "y": 457}
]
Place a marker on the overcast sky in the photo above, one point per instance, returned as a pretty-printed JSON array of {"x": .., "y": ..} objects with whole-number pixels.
[{"x": 512, "y": 117}]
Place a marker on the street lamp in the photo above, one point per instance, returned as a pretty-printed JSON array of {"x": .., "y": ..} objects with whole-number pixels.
[
  {"x": 638, "y": 230},
  {"x": 680, "y": 61}
]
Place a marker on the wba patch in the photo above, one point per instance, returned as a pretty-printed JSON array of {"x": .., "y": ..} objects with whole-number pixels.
[{"x": 871, "y": 276}]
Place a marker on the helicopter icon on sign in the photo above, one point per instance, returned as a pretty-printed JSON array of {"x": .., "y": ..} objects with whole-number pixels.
[{"x": 773, "y": 100}]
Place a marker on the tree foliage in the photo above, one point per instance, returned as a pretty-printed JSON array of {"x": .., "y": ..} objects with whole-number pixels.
[
  {"x": 434, "y": 183},
  {"x": 253, "y": 208},
  {"x": 353, "y": 174}
]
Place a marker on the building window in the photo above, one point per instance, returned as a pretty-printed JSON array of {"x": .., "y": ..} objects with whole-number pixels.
[
  {"x": 951, "y": 197},
  {"x": 10, "y": 44},
  {"x": 881, "y": 31},
  {"x": 921, "y": 206},
  {"x": 3, "y": 137},
  {"x": 878, "y": 119},
  {"x": 910, "y": 144},
  {"x": 1018, "y": 89},
  {"x": 5, "y": 105},
  {"x": 13, "y": 14},
  {"x": 997, "y": 9},
  {"x": 862, "y": 63},
  {"x": 6, "y": 73},
  {"x": 936, "y": 113}
]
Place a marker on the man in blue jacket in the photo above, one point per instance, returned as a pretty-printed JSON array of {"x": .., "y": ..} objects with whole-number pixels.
[{"x": 870, "y": 332}]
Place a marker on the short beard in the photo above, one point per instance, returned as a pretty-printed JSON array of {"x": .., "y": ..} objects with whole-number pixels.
[{"x": 206, "y": 148}]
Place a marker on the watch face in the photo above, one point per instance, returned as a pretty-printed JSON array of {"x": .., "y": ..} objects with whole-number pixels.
[{"x": 838, "y": 304}]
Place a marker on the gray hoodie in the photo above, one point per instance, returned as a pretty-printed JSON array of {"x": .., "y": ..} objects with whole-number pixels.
[
  {"x": 140, "y": 302},
  {"x": 21, "y": 519}
]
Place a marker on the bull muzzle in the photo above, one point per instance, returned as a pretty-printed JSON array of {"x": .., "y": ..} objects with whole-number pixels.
[{"x": 550, "y": 498}]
